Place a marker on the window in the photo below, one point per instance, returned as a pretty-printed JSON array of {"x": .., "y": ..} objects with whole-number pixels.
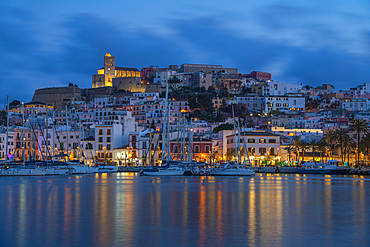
[
  {"x": 272, "y": 141},
  {"x": 109, "y": 147},
  {"x": 207, "y": 149},
  {"x": 100, "y": 139},
  {"x": 251, "y": 140},
  {"x": 100, "y": 132},
  {"x": 108, "y": 139},
  {"x": 272, "y": 151},
  {"x": 74, "y": 145},
  {"x": 108, "y": 131},
  {"x": 262, "y": 151},
  {"x": 251, "y": 151},
  {"x": 196, "y": 149},
  {"x": 100, "y": 147},
  {"x": 262, "y": 140}
]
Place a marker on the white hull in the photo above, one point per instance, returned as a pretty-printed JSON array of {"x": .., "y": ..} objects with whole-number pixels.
[
  {"x": 23, "y": 172},
  {"x": 58, "y": 171},
  {"x": 106, "y": 169}
]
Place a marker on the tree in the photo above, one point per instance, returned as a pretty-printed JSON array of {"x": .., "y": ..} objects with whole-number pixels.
[
  {"x": 296, "y": 145},
  {"x": 313, "y": 145},
  {"x": 365, "y": 143},
  {"x": 289, "y": 149},
  {"x": 303, "y": 145},
  {"x": 329, "y": 137},
  {"x": 225, "y": 126},
  {"x": 14, "y": 104},
  {"x": 3, "y": 116},
  {"x": 230, "y": 153},
  {"x": 341, "y": 136},
  {"x": 359, "y": 126},
  {"x": 321, "y": 145}
]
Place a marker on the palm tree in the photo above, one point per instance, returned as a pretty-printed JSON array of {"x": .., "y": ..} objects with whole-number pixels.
[
  {"x": 296, "y": 144},
  {"x": 359, "y": 126},
  {"x": 303, "y": 146},
  {"x": 340, "y": 135},
  {"x": 329, "y": 137},
  {"x": 230, "y": 154},
  {"x": 349, "y": 146},
  {"x": 322, "y": 144},
  {"x": 365, "y": 142},
  {"x": 289, "y": 149},
  {"x": 313, "y": 145}
]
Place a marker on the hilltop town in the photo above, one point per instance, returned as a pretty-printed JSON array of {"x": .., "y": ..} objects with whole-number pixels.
[{"x": 120, "y": 118}]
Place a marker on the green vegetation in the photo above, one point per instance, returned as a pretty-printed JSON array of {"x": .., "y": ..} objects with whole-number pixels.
[{"x": 226, "y": 126}]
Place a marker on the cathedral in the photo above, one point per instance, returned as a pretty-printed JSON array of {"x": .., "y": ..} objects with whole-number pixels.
[{"x": 105, "y": 75}]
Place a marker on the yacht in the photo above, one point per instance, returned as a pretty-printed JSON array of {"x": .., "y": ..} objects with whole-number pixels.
[
  {"x": 163, "y": 171},
  {"x": 230, "y": 170},
  {"x": 58, "y": 170},
  {"x": 324, "y": 168},
  {"x": 23, "y": 171},
  {"x": 106, "y": 169}
]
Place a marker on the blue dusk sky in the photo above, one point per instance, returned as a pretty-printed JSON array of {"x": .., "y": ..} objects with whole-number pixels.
[{"x": 51, "y": 43}]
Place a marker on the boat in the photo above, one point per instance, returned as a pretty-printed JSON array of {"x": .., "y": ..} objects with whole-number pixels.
[
  {"x": 232, "y": 170},
  {"x": 324, "y": 168},
  {"x": 163, "y": 171},
  {"x": 58, "y": 170},
  {"x": 106, "y": 169},
  {"x": 22, "y": 171}
]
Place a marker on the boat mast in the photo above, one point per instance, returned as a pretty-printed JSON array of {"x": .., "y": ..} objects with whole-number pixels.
[
  {"x": 67, "y": 134},
  {"x": 164, "y": 126},
  {"x": 7, "y": 128},
  {"x": 23, "y": 137},
  {"x": 235, "y": 147},
  {"x": 30, "y": 145},
  {"x": 168, "y": 139},
  {"x": 239, "y": 144},
  {"x": 53, "y": 146},
  {"x": 191, "y": 142},
  {"x": 47, "y": 133},
  {"x": 79, "y": 139}
]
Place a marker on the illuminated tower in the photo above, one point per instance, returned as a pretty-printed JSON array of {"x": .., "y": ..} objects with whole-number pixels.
[{"x": 109, "y": 69}]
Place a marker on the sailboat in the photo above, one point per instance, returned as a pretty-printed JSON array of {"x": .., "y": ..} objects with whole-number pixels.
[
  {"x": 167, "y": 170},
  {"x": 236, "y": 169},
  {"x": 22, "y": 170}
]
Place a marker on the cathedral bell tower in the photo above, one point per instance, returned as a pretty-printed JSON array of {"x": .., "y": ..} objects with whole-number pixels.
[{"x": 109, "y": 69}]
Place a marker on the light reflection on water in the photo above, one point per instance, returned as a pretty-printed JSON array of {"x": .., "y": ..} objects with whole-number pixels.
[{"x": 128, "y": 210}]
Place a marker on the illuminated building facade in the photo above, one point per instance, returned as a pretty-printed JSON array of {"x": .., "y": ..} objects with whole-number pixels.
[{"x": 105, "y": 75}]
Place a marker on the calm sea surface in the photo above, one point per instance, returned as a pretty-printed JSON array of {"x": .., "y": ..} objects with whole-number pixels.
[{"x": 128, "y": 210}]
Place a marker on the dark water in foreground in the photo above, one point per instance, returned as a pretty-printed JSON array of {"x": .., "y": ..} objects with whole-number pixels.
[{"x": 126, "y": 210}]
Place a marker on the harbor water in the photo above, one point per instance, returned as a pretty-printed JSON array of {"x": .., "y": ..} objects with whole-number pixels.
[{"x": 125, "y": 209}]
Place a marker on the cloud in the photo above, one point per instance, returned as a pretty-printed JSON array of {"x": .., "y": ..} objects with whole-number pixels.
[{"x": 74, "y": 47}]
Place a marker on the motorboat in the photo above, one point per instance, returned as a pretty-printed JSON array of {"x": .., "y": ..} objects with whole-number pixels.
[
  {"x": 23, "y": 171},
  {"x": 105, "y": 169},
  {"x": 58, "y": 170},
  {"x": 232, "y": 170},
  {"x": 324, "y": 168},
  {"x": 163, "y": 171}
]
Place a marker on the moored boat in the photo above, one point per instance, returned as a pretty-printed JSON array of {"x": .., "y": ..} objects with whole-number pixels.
[
  {"x": 324, "y": 168},
  {"x": 165, "y": 171},
  {"x": 229, "y": 170},
  {"x": 22, "y": 171},
  {"x": 106, "y": 169}
]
